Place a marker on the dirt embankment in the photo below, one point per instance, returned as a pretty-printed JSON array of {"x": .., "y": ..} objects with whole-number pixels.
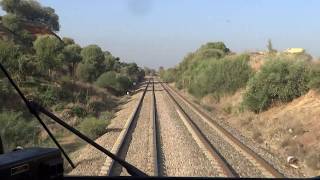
[{"x": 290, "y": 129}]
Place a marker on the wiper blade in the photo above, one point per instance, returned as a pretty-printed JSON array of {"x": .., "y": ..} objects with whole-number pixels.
[{"x": 35, "y": 109}]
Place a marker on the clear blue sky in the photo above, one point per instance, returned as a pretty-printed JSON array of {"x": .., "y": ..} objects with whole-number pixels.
[{"x": 160, "y": 32}]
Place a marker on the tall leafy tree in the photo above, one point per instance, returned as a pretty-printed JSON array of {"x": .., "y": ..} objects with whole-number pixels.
[
  {"x": 32, "y": 11},
  {"x": 72, "y": 57},
  {"x": 93, "y": 55},
  {"x": 48, "y": 52}
]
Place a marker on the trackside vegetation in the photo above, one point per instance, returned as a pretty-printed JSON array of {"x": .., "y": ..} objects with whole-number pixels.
[
  {"x": 79, "y": 84},
  {"x": 214, "y": 70},
  {"x": 279, "y": 80},
  {"x": 203, "y": 73}
]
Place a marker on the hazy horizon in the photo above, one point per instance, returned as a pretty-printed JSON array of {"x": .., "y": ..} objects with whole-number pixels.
[{"x": 157, "y": 33}]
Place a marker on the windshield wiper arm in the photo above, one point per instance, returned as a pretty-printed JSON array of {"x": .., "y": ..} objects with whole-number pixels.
[{"x": 35, "y": 108}]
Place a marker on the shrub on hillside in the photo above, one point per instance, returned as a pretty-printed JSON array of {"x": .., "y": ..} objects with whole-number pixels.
[
  {"x": 123, "y": 83},
  {"x": 95, "y": 106},
  {"x": 216, "y": 45},
  {"x": 93, "y": 127},
  {"x": 315, "y": 77},
  {"x": 107, "y": 79},
  {"x": 220, "y": 76},
  {"x": 15, "y": 130},
  {"x": 209, "y": 53},
  {"x": 47, "y": 95},
  {"x": 279, "y": 80},
  {"x": 116, "y": 81},
  {"x": 86, "y": 72},
  {"x": 78, "y": 111},
  {"x": 168, "y": 75}
]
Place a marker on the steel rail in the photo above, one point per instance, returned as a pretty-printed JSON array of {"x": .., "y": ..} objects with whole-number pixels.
[
  {"x": 156, "y": 144},
  {"x": 227, "y": 169},
  {"x": 263, "y": 163},
  {"x": 128, "y": 128}
]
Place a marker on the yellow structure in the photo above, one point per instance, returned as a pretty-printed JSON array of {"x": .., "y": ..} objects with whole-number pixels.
[{"x": 295, "y": 50}]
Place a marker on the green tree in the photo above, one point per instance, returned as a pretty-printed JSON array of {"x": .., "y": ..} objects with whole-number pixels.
[
  {"x": 49, "y": 53},
  {"x": 14, "y": 25},
  {"x": 86, "y": 72},
  {"x": 32, "y": 11},
  {"x": 270, "y": 47},
  {"x": 216, "y": 45},
  {"x": 9, "y": 53},
  {"x": 68, "y": 41},
  {"x": 72, "y": 57}
]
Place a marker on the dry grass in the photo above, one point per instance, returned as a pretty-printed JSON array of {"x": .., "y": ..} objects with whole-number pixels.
[
  {"x": 257, "y": 137},
  {"x": 313, "y": 160}
]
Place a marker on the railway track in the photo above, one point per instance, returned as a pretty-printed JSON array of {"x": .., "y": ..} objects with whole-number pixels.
[
  {"x": 140, "y": 141},
  {"x": 141, "y": 130},
  {"x": 193, "y": 115}
]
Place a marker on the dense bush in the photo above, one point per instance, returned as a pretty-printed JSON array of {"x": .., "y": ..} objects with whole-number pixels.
[
  {"x": 15, "y": 130},
  {"x": 279, "y": 80},
  {"x": 113, "y": 80},
  {"x": 47, "y": 95},
  {"x": 209, "y": 53},
  {"x": 315, "y": 77},
  {"x": 93, "y": 127},
  {"x": 169, "y": 75},
  {"x": 220, "y": 76},
  {"x": 78, "y": 111},
  {"x": 108, "y": 79},
  {"x": 123, "y": 83},
  {"x": 216, "y": 45}
]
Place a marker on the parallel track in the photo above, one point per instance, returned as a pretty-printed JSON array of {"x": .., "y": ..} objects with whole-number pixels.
[
  {"x": 211, "y": 152},
  {"x": 156, "y": 143},
  {"x": 121, "y": 141},
  {"x": 262, "y": 163},
  {"x": 121, "y": 149}
]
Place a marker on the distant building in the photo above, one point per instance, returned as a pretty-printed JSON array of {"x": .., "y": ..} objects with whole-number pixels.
[{"x": 295, "y": 50}]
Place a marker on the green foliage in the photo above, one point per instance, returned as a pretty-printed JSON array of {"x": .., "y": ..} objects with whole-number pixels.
[
  {"x": 48, "y": 95},
  {"x": 123, "y": 83},
  {"x": 93, "y": 60},
  {"x": 168, "y": 75},
  {"x": 86, "y": 72},
  {"x": 270, "y": 47},
  {"x": 68, "y": 41},
  {"x": 12, "y": 22},
  {"x": 15, "y": 130},
  {"x": 220, "y": 76},
  {"x": 72, "y": 56},
  {"x": 185, "y": 72},
  {"x": 132, "y": 71},
  {"x": 107, "y": 79},
  {"x": 315, "y": 77},
  {"x": 93, "y": 127},
  {"x": 216, "y": 45},
  {"x": 79, "y": 111},
  {"x": 279, "y": 80},
  {"x": 32, "y": 11},
  {"x": 95, "y": 106},
  {"x": 203, "y": 54},
  {"x": 9, "y": 53},
  {"x": 92, "y": 54},
  {"x": 48, "y": 52},
  {"x": 107, "y": 115},
  {"x": 113, "y": 80}
]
